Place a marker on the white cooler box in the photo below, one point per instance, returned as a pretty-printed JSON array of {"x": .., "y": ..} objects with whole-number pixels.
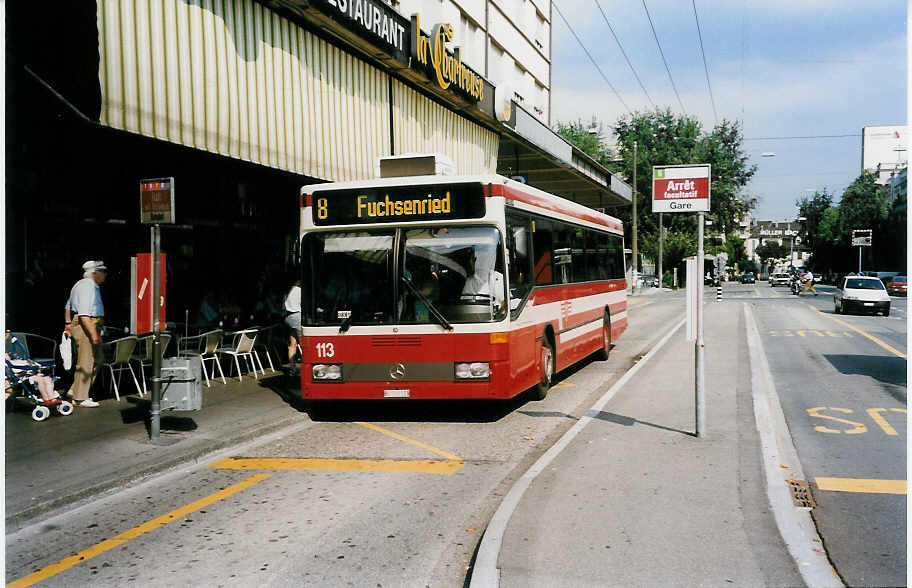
[{"x": 180, "y": 384}]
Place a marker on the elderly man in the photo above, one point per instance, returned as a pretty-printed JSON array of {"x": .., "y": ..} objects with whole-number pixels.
[{"x": 84, "y": 314}]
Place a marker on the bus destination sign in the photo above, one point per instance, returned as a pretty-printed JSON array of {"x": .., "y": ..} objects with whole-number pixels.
[{"x": 398, "y": 204}]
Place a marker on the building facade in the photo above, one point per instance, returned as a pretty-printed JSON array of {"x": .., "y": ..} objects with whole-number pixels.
[
  {"x": 242, "y": 102},
  {"x": 789, "y": 234}
]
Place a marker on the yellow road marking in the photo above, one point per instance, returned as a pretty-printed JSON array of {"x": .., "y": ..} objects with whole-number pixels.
[
  {"x": 563, "y": 384},
  {"x": 869, "y": 486},
  {"x": 423, "y": 466},
  {"x": 859, "y": 331},
  {"x": 874, "y": 413},
  {"x": 389, "y": 433},
  {"x": 133, "y": 533}
]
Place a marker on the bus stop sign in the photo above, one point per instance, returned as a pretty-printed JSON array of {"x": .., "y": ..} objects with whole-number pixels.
[
  {"x": 156, "y": 201},
  {"x": 681, "y": 188}
]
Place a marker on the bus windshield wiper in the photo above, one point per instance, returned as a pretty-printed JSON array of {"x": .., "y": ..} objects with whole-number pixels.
[
  {"x": 346, "y": 323},
  {"x": 430, "y": 305}
]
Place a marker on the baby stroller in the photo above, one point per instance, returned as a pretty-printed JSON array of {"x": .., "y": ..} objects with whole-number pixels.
[{"x": 22, "y": 379}]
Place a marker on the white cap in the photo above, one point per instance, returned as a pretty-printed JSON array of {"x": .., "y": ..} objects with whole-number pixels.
[{"x": 94, "y": 266}]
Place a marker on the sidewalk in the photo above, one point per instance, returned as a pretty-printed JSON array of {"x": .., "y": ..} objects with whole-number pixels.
[
  {"x": 636, "y": 500},
  {"x": 62, "y": 460}
]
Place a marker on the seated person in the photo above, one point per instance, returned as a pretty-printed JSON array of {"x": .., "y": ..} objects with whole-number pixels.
[
  {"x": 21, "y": 365},
  {"x": 430, "y": 289},
  {"x": 486, "y": 282}
]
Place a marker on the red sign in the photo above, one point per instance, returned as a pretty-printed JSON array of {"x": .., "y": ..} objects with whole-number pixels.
[
  {"x": 681, "y": 188},
  {"x": 143, "y": 296},
  {"x": 156, "y": 201}
]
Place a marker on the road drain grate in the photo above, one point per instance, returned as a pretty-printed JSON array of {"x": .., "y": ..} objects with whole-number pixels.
[{"x": 801, "y": 493}]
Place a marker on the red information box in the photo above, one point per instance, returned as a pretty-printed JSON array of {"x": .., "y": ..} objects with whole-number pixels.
[{"x": 141, "y": 293}]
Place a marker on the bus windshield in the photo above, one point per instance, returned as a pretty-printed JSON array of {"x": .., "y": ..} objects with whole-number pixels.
[{"x": 441, "y": 275}]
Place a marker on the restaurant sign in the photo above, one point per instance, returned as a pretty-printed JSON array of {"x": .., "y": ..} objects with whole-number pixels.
[
  {"x": 447, "y": 68},
  {"x": 404, "y": 41}
]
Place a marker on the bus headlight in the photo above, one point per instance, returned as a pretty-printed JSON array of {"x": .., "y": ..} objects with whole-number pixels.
[
  {"x": 476, "y": 370},
  {"x": 327, "y": 372}
]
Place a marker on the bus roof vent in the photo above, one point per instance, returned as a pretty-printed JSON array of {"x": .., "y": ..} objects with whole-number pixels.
[{"x": 415, "y": 164}]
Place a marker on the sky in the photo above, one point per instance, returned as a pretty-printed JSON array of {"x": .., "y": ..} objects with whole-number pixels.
[{"x": 782, "y": 68}]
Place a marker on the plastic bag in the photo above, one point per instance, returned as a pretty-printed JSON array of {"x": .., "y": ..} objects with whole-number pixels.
[{"x": 66, "y": 351}]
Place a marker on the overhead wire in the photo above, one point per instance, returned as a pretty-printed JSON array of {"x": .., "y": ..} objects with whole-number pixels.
[
  {"x": 624, "y": 53},
  {"x": 589, "y": 55},
  {"x": 705, "y": 67},
  {"x": 662, "y": 53},
  {"x": 800, "y": 137}
]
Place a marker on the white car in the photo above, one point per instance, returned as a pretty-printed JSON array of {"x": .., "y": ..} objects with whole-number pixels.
[
  {"x": 861, "y": 294},
  {"x": 779, "y": 279}
]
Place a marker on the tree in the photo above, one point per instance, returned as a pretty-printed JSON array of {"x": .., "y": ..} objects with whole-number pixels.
[
  {"x": 737, "y": 256},
  {"x": 664, "y": 138},
  {"x": 771, "y": 251},
  {"x": 813, "y": 209},
  {"x": 587, "y": 141}
]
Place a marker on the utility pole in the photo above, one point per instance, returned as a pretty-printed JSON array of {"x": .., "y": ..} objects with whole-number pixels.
[
  {"x": 661, "y": 238},
  {"x": 634, "y": 248}
]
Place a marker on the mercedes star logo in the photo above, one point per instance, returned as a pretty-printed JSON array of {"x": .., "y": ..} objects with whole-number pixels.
[{"x": 397, "y": 371}]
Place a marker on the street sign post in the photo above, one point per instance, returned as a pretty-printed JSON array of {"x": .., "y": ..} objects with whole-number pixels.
[
  {"x": 686, "y": 188},
  {"x": 862, "y": 238},
  {"x": 156, "y": 205}
]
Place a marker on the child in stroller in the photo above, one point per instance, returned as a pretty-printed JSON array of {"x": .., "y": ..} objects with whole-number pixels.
[{"x": 28, "y": 379}]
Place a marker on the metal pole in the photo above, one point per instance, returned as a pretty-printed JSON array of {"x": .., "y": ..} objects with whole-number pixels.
[
  {"x": 634, "y": 230},
  {"x": 156, "y": 334},
  {"x": 661, "y": 238},
  {"x": 699, "y": 383},
  {"x": 859, "y": 260}
]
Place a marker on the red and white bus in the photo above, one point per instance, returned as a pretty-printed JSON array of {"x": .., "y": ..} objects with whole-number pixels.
[{"x": 445, "y": 287}]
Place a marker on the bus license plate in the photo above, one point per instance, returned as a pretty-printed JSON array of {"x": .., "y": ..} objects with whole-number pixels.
[
  {"x": 869, "y": 304},
  {"x": 396, "y": 393}
]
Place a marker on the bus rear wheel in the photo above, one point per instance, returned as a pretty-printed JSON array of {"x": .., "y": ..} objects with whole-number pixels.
[
  {"x": 602, "y": 354},
  {"x": 540, "y": 390}
]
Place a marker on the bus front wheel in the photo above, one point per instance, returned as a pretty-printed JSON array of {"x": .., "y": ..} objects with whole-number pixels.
[{"x": 547, "y": 371}]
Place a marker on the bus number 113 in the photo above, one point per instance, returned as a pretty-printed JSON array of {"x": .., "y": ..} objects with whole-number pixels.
[{"x": 325, "y": 350}]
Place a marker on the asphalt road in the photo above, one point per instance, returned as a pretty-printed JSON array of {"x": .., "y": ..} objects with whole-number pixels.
[
  {"x": 393, "y": 496},
  {"x": 399, "y": 495},
  {"x": 842, "y": 383}
]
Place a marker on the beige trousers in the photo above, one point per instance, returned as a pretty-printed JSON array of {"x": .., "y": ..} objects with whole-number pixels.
[{"x": 88, "y": 359}]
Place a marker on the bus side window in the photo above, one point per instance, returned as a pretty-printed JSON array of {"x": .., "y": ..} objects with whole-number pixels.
[
  {"x": 541, "y": 250},
  {"x": 594, "y": 264},
  {"x": 520, "y": 252},
  {"x": 563, "y": 255}
]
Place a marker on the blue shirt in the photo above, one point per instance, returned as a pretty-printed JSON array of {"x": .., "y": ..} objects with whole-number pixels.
[{"x": 85, "y": 298}]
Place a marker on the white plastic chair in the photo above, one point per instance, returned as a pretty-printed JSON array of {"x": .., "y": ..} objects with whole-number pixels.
[
  {"x": 206, "y": 349},
  {"x": 144, "y": 357},
  {"x": 242, "y": 346},
  {"x": 118, "y": 354}
]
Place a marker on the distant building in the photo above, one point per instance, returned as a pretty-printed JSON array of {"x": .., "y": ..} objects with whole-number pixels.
[
  {"x": 897, "y": 187},
  {"x": 787, "y": 233},
  {"x": 883, "y": 150}
]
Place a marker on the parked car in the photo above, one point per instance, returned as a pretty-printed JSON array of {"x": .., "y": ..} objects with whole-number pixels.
[
  {"x": 779, "y": 279},
  {"x": 861, "y": 294},
  {"x": 897, "y": 286},
  {"x": 748, "y": 278}
]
